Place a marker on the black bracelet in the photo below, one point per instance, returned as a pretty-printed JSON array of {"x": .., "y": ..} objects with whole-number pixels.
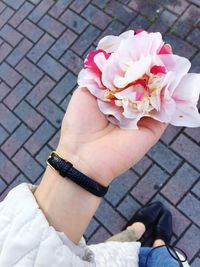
[{"x": 66, "y": 169}]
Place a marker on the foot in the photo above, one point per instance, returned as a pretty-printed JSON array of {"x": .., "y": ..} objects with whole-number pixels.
[
  {"x": 163, "y": 229},
  {"x": 158, "y": 243}
]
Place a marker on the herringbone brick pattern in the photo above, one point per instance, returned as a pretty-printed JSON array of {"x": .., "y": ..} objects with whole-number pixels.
[{"x": 42, "y": 45}]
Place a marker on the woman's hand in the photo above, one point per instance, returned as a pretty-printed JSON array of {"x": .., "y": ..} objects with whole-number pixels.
[{"x": 98, "y": 148}]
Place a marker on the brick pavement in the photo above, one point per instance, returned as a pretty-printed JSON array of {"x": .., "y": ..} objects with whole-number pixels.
[{"x": 42, "y": 44}]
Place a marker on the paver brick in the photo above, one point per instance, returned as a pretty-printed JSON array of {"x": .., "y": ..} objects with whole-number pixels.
[
  {"x": 196, "y": 64},
  {"x": 54, "y": 141},
  {"x": 72, "y": 61},
  {"x": 14, "y": 4},
  {"x": 187, "y": 149},
  {"x": 7, "y": 169},
  {"x": 65, "y": 102},
  {"x": 63, "y": 88},
  {"x": 63, "y": 43},
  {"x": 51, "y": 25},
  {"x": 96, "y": 16},
  {"x": 40, "y": 47},
  {"x": 142, "y": 165},
  {"x": 21, "y": 13},
  {"x": 17, "y": 94},
  {"x": 177, "y": 6},
  {"x": 122, "y": 12},
  {"x": 28, "y": 115},
  {"x": 8, "y": 119},
  {"x": 100, "y": 235},
  {"x": 74, "y": 21},
  {"x": 188, "y": 19},
  {"x": 29, "y": 70},
  {"x": 151, "y": 11},
  {"x": 91, "y": 228},
  {"x": 43, "y": 155},
  {"x": 30, "y": 30},
  {"x": 190, "y": 206},
  {"x": 10, "y": 35},
  {"x": 5, "y": 15},
  {"x": 16, "y": 140},
  {"x": 85, "y": 40},
  {"x": 110, "y": 218},
  {"x": 149, "y": 185},
  {"x": 4, "y": 90},
  {"x": 170, "y": 133},
  {"x": 3, "y": 185},
  {"x": 196, "y": 189},
  {"x": 128, "y": 207},
  {"x": 59, "y": 6},
  {"x": 79, "y": 5},
  {"x": 194, "y": 37},
  {"x": 51, "y": 111},
  {"x": 40, "y": 10},
  {"x": 193, "y": 133},
  {"x": 52, "y": 67},
  {"x": 2, "y": 6},
  {"x": 9, "y": 75},
  {"x": 192, "y": 234},
  {"x": 40, "y": 91},
  {"x": 19, "y": 52},
  {"x": 120, "y": 186},
  {"x": 4, "y": 51},
  {"x": 196, "y": 263},
  {"x": 39, "y": 138},
  {"x": 140, "y": 23},
  {"x": 180, "y": 183},
  {"x": 3, "y": 134},
  {"x": 27, "y": 165},
  {"x": 164, "y": 157}
]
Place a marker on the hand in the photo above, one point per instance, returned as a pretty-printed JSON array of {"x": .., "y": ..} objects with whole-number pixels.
[{"x": 98, "y": 148}]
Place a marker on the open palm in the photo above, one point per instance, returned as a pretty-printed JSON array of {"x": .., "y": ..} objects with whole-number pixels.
[{"x": 98, "y": 148}]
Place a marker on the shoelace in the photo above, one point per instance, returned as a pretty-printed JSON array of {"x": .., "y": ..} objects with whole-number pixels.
[{"x": 172, "y": 251}]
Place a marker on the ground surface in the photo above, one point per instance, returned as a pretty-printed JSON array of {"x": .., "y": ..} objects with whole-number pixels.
[{"x": 42, "y": 43}]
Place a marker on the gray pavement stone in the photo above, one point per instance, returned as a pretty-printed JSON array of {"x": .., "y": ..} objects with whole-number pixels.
[
  {"x": 142, "y": 165},
  {"x": 100, "y": 235},
  {"x": 128, "y": 207}
]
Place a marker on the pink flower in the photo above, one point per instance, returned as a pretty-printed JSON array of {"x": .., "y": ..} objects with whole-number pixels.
[{"x": 136, "y": 75}]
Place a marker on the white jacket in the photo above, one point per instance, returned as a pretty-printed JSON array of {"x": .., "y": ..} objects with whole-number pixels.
[{"x": 27, "y": 240}]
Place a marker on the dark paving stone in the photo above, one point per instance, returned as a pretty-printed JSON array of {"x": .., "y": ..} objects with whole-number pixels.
[
  {"x": 85, "y": 40},
  {"x": 52, "y": 67},
  {"x": 149, "y": 185},
  {"x": 196, "y": 64},
  {"x": 28, "y": 165},
  {"x": 65, "y": 102},
  {"x": 2, "y": 6},
  {"x": 91, "y": 228},
  {"x": 140, "y": 23},
  {"x": 28, "y": 115},
  {"x": 177, "y": 6},
  {"x": 29, "y": 70},
  {"x": 43, "y": 155},
  {"x": 54, "y": 141},
  {"x": 51, "y": 111},
  {"x": 196, "y": 189},
  {"x": 19, "y": 52},
  {"x": 170, "y": 133},
  {"x": 121, "y": 12},
  {"x": 188, "y": 19},
  {"x": 180, "y": 183},
  {"x": 193, "y": 133},
  {"x": 73, "y": 21},
  {"x": 128, "y": 207},
  {"x": 72, "y": 61},
  {"x": 9, "y": 75},
  {"x": 8, "y": 119},
  {"x": 63, "y": 88},
  {"x": 5, "y": 49},
  {"x": 188, "y": 150},
  {"x": 7, "y": 169},
  {"x": 110, "y": 218},
  {"x": 14, "y": 4},
  {"x": 40, "y": 47},
  {"x": 96, "y": 16},
  {"x": 79, "y": 5},
  {"x": 194, "y": 37},
  {"x": 19, "y": 16},
  {"x": 51, "y": 26},
  {"x": 164, "y": 157},
  {"x": 39, "y": 138},
  {"x": 4, "y": 90},
  {"x": 3, "y": 134},
  {"x": 100, "y": 235},
  {"x": 3, "y": 185},
  {"x": 17, "y": 94},
  {"x": 142, "y": 165},
  {"x": 179, "y": 46},
  {"x": 190, "y": 206},
  {"x": 62, "y": 44},
  {"x": 16, "y": 140},
  {"x": 5, "y": 15},
  {"x": 59, "y": 7},
  {"x": 120, "y": 186},
  {"x": 40, "y": 91},
  {"x": 40, "y": 10},
  {"x": 196, "y": 263},
  {"x": 193, "y": 233},
  {"x": 151, "y": 10},
  {"x": 30, "y": 30}
]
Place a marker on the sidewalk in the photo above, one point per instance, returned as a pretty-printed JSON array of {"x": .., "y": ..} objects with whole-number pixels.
[{"x": 42, "y": 44}]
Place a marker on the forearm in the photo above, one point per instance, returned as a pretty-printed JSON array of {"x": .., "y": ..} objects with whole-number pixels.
[{"x": 67, "y": 207}]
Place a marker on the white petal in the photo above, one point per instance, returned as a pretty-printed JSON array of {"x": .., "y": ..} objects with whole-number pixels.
[
  {"x": 186, "y": 114},
  {"x": 109, "y": 109},
  {"x": 126, "y": 93},
  {"x": 100, "y": 60},
  {"x": 166, "y": 111},
  {"x": 188, "y": 88}
]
